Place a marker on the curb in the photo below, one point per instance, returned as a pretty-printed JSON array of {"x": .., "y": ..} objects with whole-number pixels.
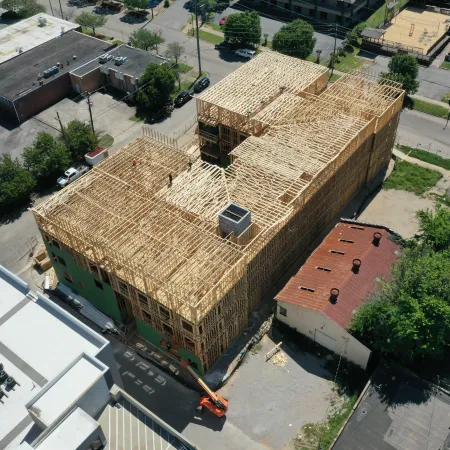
[{"x": 366, "y": 387}]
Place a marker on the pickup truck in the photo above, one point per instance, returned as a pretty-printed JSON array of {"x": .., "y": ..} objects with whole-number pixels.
[{"x": 71, "y": 174}]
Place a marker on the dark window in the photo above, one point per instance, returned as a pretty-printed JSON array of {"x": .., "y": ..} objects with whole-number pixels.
[
  {"x": 94, "y": 269},
  {"x": 143, "y": 299},
  {"x": 61, "y": 261},
  {"x": 167, "y": 329},
  {"x": 147, "y": 316},
  {"x": 123, "y": 287},
  {"x": 68, "y": 277},
  {"x": 98, "y": 284},
  {"x": 323, "y": 15},
  {"x": 283, "y": 311},
  {"x": 105, "y": 276},
  {"x": 346, "y": 240},
  {"x": 187, "y": 326},
  {"x": 189, "y": 345},
  {"x": 298, "y": 9},
  {"x": 202, "y": 345},
  {"x": 273, "y": 2},
  {"x": 219, "y": 310},
  {"x": 200, "y": 329},
  {"x": 312, "y": 13},
  {"x": 357, "y": 228},
  {"x": 164, "y": 312},
  {"x": 325, "y": 269},
  {"x": 56, "y": 244},
  {"x": 337, "y": 252},
  {"x": 54, "y": 257},
  {"x": 193, "y": 364}
]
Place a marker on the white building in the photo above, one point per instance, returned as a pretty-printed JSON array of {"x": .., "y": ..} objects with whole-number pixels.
[
  {"x": 31, "y": 32},
  {"x": 343, "y": 272},
  {"x": 59, "y": 383}
]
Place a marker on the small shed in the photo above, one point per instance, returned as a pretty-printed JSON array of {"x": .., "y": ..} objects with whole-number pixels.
[{"x": 339, "y": 276}]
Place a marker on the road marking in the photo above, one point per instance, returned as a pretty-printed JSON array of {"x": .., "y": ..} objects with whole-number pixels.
[
  {"x": 123, "y": 425},
  {"x": 109, "y": 430},
  {"x": 131, "y": 431},
  {"x": 145, "y": 432},
  {"x": 153, "y": 435},
  {"x": 117, "y": 428}
]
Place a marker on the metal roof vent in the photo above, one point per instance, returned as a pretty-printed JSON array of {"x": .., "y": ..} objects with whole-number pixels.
[
  {"x": 234, "y": 219},
  {"x": 356, "y": 265},
  {"x": 376, "y": 239},
  {"x": 334, "y": 294}
]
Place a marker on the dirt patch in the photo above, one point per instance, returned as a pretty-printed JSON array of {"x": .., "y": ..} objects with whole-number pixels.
[{"x": 397, "y": 210}]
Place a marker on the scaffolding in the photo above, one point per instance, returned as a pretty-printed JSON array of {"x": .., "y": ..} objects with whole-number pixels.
[{"x": 147, "y": 217}]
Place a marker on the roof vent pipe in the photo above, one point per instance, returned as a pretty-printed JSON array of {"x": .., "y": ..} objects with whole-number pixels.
[
  {"x": 356, "y": 265},
  {"x": 376, "y": 239},
  {"x": 334, "y": 294}
]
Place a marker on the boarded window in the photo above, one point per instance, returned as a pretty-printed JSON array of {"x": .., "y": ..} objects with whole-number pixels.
[{"x": 283, "y": 311}]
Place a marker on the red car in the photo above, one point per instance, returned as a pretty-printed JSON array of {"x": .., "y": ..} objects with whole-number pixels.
[{"x": 223, "y": 20}]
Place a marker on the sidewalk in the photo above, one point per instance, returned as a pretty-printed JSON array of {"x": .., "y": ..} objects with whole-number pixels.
[{"x": 429, "y": 100}]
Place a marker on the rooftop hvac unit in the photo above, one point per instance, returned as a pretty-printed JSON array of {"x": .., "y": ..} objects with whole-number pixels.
[
  {"x": 234, "y": 219},
  {"x": 3, "y": 376},
  {"x": 42, "y": 21}
]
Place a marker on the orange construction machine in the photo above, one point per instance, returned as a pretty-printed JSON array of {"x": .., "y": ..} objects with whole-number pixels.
[{"x": 211, "y": 400}]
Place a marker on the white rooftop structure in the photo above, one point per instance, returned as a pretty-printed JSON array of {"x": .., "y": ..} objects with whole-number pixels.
[
  {"x": 57, "y": 382},
  {"x": 29, "y": 33}
]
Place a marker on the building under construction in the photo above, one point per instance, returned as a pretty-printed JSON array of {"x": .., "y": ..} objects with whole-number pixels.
[{"x": 187, "y": 248}]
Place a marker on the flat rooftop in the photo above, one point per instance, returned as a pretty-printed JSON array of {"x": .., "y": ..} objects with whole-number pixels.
[
  {"x": 258, "y": 82},
  {"x": 399, "y": 411},
  {"x": 20, "y": 74},
  {"x": 30, "y": 33},
  {"x": 37, "y": 341},
  {"x": 138, "y": 60},
  {"x": 416, "y": 29}
]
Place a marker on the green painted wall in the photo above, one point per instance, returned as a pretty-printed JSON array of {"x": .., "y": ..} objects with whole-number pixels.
[
  {"x": 104, "y": 300},
  {"x": 155, "y": 337}
]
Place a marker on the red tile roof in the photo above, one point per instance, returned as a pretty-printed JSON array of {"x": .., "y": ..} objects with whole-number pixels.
[{"x": 311, "y": 286}]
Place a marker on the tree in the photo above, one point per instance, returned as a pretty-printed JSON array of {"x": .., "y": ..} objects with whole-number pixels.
[
  {"x": 295, "y": 39},
  {"x": 243, "y": 28},
  {"x": 174, "y": 51},
  {"x": 206, "y": 8},
  {"x": 435, "y": 228},
  {"x": 89, "y": 20},
  {"x": 156, "y": 86},
  {"x": 46, "y": 158},
  {"x": 23, "y": 8},
  {"x": 79, "y": 139},
  {"x": 145, "y": 39},
  {"x": 16, "y": 183},
  {"x": 353, "y": 37},
  {"x": 403, "y": 69},
  {"x": 136, "y": 4}
]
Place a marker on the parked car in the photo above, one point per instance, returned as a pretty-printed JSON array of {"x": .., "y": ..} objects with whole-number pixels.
[
  {"x": 71, "y": 174},
  {"x": 223, "y": 20},
  {"x": 245, "y": 53},
  {"x": 201, "y": 84},
  {"x": 223, "y": 46},
  {"x": 183, "y": 97}
]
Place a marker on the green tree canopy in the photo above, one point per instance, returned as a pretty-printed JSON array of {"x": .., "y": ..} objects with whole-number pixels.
[
  {"x": 79, "y": 138},
  {"x": 16, "y": 183},
  {"x": 90, "y": 20},
  {"x": 295, "y": 39},
  {"x": 156, "y": 87},
  {"x": 435, "y": 228},
  {"x": 243, "y": 28},
  {"x": 46, "y": 158},
  {"x": 404, "y": 69},
  {"x": 409, "y": 318},
  {"x": 145, "y": 39},
  {"x": 353, "y": 37},
  {"x": 136, "y": 4},
  {"x": 23, "y": 8}
]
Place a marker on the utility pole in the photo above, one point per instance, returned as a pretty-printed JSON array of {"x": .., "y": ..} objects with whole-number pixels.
[
  {"x": 198, "y": 39},
  {"x": 62, "y": 128},
  {"x": 334, "y": 51},
  {"x": 448, "y": 115},
  {"x": 90, "y": 111},
  {"x": 51, "y": 7},
  {"x": 60, "y": 7}
]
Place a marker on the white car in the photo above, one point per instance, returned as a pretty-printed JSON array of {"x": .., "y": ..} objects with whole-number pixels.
[{"x": 245, "y": 53}]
